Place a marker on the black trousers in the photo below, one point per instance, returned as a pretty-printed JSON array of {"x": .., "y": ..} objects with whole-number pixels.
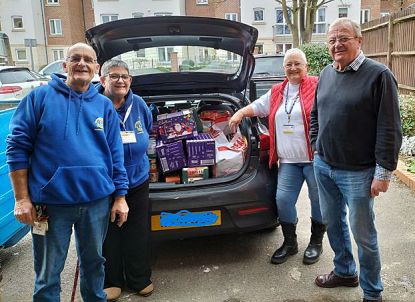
[{"x": 127, "y": 248}]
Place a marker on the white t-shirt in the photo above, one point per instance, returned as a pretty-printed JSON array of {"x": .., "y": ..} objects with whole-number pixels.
[{"x": 291, "y": 142}]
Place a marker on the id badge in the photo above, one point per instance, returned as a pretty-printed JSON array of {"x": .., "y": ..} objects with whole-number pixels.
[
  {"x": 40, "y": 228},
  {"x": 288, "y": 129},
  {"x": 128, "y": 137}
]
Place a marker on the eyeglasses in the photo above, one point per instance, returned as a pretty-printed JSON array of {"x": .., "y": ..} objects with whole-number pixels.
[
  {"x": 77, "y": 59},
  {"x": 290, "y": 65},
  {"x": 115, "y": 77},
  {"x": 341, "y": 40}
]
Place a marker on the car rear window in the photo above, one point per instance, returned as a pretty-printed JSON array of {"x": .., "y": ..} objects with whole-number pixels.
[
  {"x": 12, "y": 76},
  {"x": 269, "y": 66}
]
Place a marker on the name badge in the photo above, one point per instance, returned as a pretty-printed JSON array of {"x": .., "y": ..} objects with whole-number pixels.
[
  {"x": 288, "y": 129},
  {"x": 40, "y": 228},
  {"x": 128, "y": 137}
]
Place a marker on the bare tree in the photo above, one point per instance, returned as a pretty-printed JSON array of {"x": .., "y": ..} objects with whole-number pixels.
[{"x": 300, "y": 16}]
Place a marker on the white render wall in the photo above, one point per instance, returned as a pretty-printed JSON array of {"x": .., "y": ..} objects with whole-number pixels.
[
  {"x": 265, "y": 29},
  {"x": 125, "y": 8},
  {"x": 31, "y": 12}
]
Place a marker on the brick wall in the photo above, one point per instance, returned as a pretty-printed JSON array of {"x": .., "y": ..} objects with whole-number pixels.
[
  {"x": 214, "y": 8},
  {"x": 373, "y": 6},
  {"x": 393, "y": 6}
]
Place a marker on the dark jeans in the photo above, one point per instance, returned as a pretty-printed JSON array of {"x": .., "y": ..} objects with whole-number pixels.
[{"x": 127, "y": 249}]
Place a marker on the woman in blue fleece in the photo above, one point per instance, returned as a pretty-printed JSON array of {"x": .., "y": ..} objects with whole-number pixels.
[{"x": 126, "y": 248}]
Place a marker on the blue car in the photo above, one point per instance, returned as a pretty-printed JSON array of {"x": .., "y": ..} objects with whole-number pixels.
[{"x": 11, "y": 231}]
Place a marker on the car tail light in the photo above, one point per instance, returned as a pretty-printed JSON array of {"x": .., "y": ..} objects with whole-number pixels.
[
  {"x": 10, "y": 89},
  {"x": 252, "y": 211}
]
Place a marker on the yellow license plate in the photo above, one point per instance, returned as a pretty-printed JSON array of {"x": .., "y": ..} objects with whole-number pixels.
[{"x": 185, "y": 219}]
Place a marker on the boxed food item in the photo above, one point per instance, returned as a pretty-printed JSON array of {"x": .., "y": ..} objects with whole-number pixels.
[
  {"x": 173, "y": 178},
  {"x": 171, "y": 156},
  {"x": 194, "y": 173},
  {"x": 201, "y": 150},
  {"x": 176, "y": 126}
]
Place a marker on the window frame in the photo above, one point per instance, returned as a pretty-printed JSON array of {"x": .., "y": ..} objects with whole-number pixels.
[
  {"x": 228, "y": 16},
  {"x": 13, "y": 23},
  {"x": 363, "y": 11},
  {"x": 259, "y": 9},
  {"x": 202, "y": 2},
  {"x": 59, "y": 51},
  {"x": 347, "y": 12},
  {"x": 166, "y": 54},
  {"x": 110, "y": 17},
  {"x": 17, "y": 50},
  {"x": 286, "y": 29},
  {"x": 52, "y": 2},
  {"x": 55, "y": 22},
  {"x": 317, "y": 22},
  {"x": 137, "y": 15}
]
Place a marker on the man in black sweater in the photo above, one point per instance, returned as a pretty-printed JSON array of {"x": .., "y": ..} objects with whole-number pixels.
[{"x": 356, "y": 135}]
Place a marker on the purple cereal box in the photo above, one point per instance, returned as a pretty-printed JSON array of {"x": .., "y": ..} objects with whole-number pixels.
[
  {"x": 176, "y": 126},
  {"x": 201, "y": 150},
  {"x": 171, "y": 156}
]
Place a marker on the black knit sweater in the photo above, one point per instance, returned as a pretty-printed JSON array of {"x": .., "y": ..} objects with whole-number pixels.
[{"x": 355, "y": 122}]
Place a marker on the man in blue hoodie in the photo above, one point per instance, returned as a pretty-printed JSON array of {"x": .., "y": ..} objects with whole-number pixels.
[{"x": 65, "y": 157}]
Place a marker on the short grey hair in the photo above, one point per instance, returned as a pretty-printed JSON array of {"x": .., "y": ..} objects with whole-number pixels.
[
  {"x": 347, "y": 22},
  {"x": 295, "y": 51},
  {"x": 108, "y": 65}
]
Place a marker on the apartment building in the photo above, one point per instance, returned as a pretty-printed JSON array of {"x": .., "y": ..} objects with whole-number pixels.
[
  {"x": 274, "y": 33},
  {"x": 41, "y": 31},
  {"x": 229, "y": 9}
]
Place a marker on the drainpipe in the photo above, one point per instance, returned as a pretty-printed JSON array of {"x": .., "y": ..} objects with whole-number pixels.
[
  {"x": 44, "y": 31},
  {"x": 83, "y": 14}
]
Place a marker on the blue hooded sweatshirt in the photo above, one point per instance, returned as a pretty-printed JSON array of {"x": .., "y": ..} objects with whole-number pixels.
[
  {"x": 70, "y": 143},
  {"x": 140, "y": 121}
]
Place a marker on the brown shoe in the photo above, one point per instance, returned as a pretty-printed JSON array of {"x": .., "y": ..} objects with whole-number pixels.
[
  {"x": 113, "y": 293},
  {"x": 378, "y": 300},
  {"x": 147, "y": 291},
  {"x": 332, "y": 280}
]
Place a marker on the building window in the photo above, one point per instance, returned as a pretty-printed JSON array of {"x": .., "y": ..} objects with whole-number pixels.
[
  {"x": 384, "y": 14},
  {"x": 343, "y": 12},
  {"x": 55, "y": 26},
  {"x": 364, "y": 15},
  {"x": 58, "y": 54},
  {"x": 281, "y": 24},
  {"x": 232, "y": 56},
  {"x": 231, "y": 16},
  {"x": 109, "y": 18},
  {"x": 204, "y": 2},
  {"x": 163, "y": 14},
  {"x": 320, "y": 22},
  {"x": 21, "y": 55},
  {"x": 259, "y": 49},
  {"x": 52, "y": 2},
  {"x": 141, "y": 53},
  {"x": 17, "y": 22},
  {"x": 283, "y": 47},
  {"x": 138, "y": 15},
  {"x": 258, "y": 15},
  {"x": 165, "y": 54}
]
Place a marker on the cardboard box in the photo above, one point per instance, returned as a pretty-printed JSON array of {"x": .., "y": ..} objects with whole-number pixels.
[
  {"x": 171, "y": 156},
  {"x": 201, "y": 150},
  {"x": 176, "y": 126},
  {"x": 194, "y": 173}
]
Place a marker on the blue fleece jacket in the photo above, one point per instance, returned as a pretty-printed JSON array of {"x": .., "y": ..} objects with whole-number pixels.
[
  {"x": 70, "y": 142},
  {"x": 140, "y": 121}
]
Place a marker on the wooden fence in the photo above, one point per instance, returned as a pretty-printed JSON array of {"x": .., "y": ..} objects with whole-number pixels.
[{"x": 391, "y": 41}]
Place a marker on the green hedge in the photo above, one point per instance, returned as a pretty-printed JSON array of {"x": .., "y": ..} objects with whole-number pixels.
[
  {"x": 318, "y": 57},
  {"x": 407, "y": 107}
]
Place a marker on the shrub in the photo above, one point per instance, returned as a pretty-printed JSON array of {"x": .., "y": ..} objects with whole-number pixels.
[
  {"x": 407, "y": 108},
  {"x": 318, "y": 57}
]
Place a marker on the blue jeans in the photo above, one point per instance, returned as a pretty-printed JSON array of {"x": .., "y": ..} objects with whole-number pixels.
[
  {"x": 290, "y": 180},
  {"x": 90, "y": 222},
  {"x": 339, "y": 189}
]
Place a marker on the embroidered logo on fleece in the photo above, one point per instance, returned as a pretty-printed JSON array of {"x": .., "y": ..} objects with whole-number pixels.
[{"x": 99, "y": 123}]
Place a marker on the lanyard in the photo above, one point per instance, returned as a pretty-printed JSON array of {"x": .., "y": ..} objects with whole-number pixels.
[
  {"x": 127, "y": 114},
  {"x": 288, "y": 111}
]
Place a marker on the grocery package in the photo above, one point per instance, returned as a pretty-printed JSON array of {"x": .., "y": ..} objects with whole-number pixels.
[
  {"x": 218, "y": 118},
  {"x": 171, "y": 156},
  {"x": 200, "y": 150},
  {"x": 194, "y": 173},
  {"x": 173, "y": 178},
  {"x": 230, "y": 155},
  {"x": 154, "y": 175},
  {"x": 176, "y": 126}
]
